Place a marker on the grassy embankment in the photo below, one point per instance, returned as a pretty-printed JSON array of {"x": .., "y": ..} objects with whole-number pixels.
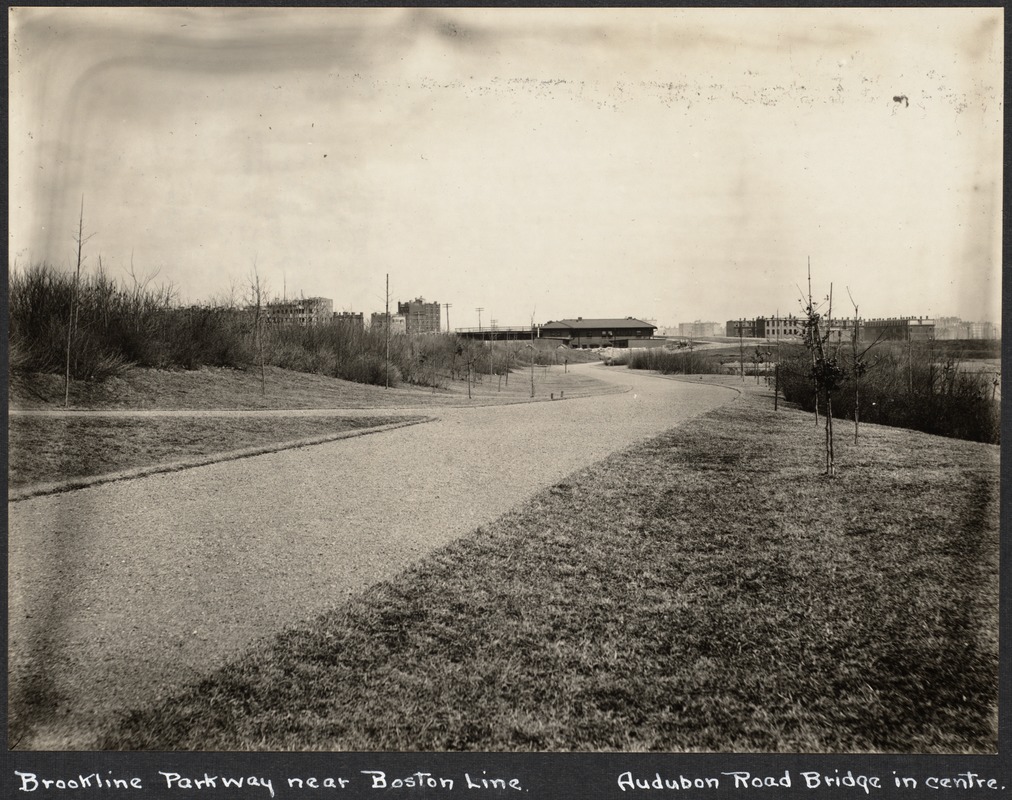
[
  {"x": 708, "y": 590},
  {"x": 55, "y": 449}
]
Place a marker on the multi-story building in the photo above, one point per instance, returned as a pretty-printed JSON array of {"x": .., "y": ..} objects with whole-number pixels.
[
  {"x": 754, "y": 328},
  {"x": 904, "y": 329},
  {"x": 984, "y": 330},
  {"x": 789, "y": 327},
  {"x": 351, "y": 319},
  {"x": 398, "y": 324},
  {"x": 783, "y": 327},
  {"x": 419, "y": 316},
  {"x": 700, "y": 329},
  {"x": 304, "y": 311},
  {"x": 955, "y": 328},
  {"x": 841, "y": 329}
]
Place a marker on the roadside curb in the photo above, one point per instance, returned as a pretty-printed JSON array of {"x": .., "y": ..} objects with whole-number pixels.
[{"x": 42, "y": 489}]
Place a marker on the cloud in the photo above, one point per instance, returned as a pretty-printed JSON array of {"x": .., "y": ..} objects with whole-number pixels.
[{"x": 703, "y": 153}]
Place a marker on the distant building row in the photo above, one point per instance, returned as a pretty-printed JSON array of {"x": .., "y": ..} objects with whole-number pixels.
[
  {"x": 955, "y": 328},
  {"x": 785, "y": 327},
  {"x": 699, "y": 329},
  {"x": 906, "y": 329},
  {"x": 414, "y": 316}
]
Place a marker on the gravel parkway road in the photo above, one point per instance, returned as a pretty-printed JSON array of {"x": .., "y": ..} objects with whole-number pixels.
[{"x": 123, "y": 592}]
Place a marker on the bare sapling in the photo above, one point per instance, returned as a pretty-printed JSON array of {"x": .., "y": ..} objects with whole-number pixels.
[
  {"x": 386, "y": 318},
  {"x": 809, "y": 310},
  {"x": 507, "y": 362},
  {"x": 827, "y": 374},
  {"x": 80, "y": 239},
  {"x": 857, "y": 369},
  {"x": 860, "y": 363},
  {"x": 757, "y": 358},
  {"x": 257, "y": 289}
]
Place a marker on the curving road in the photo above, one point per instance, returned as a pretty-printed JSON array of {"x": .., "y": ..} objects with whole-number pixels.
[{"x": 120, "y": 592}]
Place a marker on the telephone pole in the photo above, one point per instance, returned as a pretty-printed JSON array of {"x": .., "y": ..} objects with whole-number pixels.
[
  {"x": 532, "y": 356},
  {"x": 386, "y": 372},
  {"x": 776, "y": 368},
  {"x": 741, "y": 348}
]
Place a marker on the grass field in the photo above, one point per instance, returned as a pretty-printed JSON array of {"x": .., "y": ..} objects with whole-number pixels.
[
  {"x": 221, "y": 388},
  {"x": 55, "y": 449},
  {"x": 709, "y": 590}
]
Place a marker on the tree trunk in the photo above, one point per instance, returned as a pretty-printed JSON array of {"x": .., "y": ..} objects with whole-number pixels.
[
  {"x": 857, "y": 407},
  {"x": 830, "y": 465}
]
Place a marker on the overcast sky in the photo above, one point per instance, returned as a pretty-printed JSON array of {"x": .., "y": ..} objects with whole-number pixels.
[{"x": 664, "y": 164}]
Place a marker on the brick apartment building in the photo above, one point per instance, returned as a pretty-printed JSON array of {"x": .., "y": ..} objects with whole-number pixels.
[
  {"x": 378, "y": 322},
  {"x": 304, "y": 311},
  {"x": 420, "y": 316},
  {"x": 354, "y": 320},
  {"x": 700, "y": 329},
  {"x": 840, "y": 329}
]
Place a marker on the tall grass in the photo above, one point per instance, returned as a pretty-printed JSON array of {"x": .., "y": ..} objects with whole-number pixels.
[
  {"x": 921, "y": 386},
  {"x": 117, "y": 326},
  {"x": 674, "y": 363}
]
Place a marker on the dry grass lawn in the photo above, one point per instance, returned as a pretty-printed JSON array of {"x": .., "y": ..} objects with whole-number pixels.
[
  {"x": 55, "y": 449},
  {"x": 709, "y": 590}
]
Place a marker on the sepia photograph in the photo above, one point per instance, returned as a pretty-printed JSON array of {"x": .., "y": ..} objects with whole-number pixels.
[{"x": 503, "y": 380}]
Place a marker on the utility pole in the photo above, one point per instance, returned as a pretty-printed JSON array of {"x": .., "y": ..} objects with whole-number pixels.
[
  {"x": 532, "y": 357},
  {"x": 776, "y": 368},
  {"x": 741, "y": 348},
  {"x": 386, "y": 372}
]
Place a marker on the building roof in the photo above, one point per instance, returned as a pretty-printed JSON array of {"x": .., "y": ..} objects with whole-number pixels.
[{"x": 580, "y": 322}]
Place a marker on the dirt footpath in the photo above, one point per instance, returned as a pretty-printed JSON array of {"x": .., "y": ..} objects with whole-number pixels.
[{"x": 122, "y": 592}]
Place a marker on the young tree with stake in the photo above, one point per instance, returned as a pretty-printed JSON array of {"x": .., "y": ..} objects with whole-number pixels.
[{"x": 827, "y": 373}]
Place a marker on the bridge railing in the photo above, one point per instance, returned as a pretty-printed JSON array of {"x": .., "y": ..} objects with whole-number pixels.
[{"x": 498, "y": 333}]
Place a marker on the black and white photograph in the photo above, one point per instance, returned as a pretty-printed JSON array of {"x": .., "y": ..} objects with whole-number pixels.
[{"x": 506, "y": 381}]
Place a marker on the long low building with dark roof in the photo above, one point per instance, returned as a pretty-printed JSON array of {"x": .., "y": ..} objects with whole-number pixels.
[{"x": 582, "y": 332}]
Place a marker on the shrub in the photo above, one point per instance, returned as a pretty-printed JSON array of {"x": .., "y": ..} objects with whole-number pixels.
[
  {"x": 906, "y": 386},
  {"x": 118, "y": 326}
]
